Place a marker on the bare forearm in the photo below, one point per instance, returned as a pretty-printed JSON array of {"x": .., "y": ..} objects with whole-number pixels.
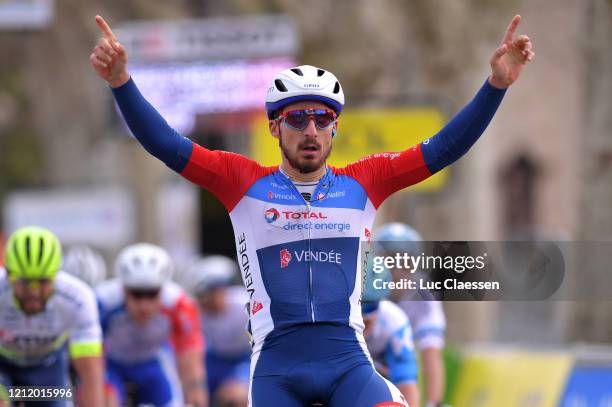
[
  {"x": 91, "y": 388},
  {"x": 192, "y": 374},
  {"x": 433, "y": 369}
]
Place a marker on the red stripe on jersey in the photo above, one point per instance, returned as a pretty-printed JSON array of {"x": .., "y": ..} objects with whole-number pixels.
[
  {"x": 227, "y": 175},
  {"x": 385, "y": 173}
]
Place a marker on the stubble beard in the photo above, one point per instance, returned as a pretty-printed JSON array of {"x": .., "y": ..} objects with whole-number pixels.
[{"x": 303, "y": 167}]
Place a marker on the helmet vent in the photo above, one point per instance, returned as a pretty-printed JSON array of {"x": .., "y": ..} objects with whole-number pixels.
[
  {"x": 41, "y": 249},
  {"x": 320, "y": 72},
  {"x": 27, "y": 248},
  {"x": 17, "y": 256},
  {"x": 280, "y": 85},
  {"x": 50, "y": 259},
  {"x": 297, "y": 71},
  {"x": 136, "y": 261},
  {"x": 337, "y": 87}
]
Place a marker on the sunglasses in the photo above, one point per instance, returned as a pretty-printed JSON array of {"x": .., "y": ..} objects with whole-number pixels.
[
  {"x": 33, "y": 282},
  {"x": 299, "y": 119},
  {"x": 144, "y": 294}
]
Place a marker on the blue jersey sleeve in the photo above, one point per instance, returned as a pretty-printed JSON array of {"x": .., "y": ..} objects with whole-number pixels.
[
  {"x": 150, "y": 128},
  {"x": 456, "y": 138},
  {"x": 400, "y": 357}
]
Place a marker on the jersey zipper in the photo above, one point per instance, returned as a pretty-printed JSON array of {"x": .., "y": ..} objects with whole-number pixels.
[
  {"x": 309, "y": 248},
  {"x": 312, "y": 313}
]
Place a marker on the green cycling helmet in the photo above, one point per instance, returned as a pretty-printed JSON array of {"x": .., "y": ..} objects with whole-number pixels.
[{"x": 32, "y": 253}]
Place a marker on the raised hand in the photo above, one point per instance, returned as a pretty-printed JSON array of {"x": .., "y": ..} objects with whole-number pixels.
[
  {"x": 109, "y": 58},
  {"x": 508, "y": 60}
]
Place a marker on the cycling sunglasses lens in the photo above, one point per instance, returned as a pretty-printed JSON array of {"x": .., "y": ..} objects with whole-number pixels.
[
  {"x": 299, "y": 119},
  {"x": 324, "y": 120},
  {"x": 144, "y": 294}
]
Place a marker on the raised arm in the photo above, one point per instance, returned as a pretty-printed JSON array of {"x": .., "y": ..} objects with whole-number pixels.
[
  {"x": 456, "y": 138},
  {"x": 383, "y": 174},
  {"x": 109, "y": 59}
]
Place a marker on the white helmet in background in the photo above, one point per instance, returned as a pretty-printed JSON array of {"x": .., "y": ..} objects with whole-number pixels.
[
  {"x": 210, "y": 272},
  {"x": 86, "y": 264},
  {"x": 305, "y": 82},
  {"x": 143, "y": 266}
]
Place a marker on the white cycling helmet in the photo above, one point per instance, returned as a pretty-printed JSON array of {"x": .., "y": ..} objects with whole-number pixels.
[
  {"x": 143, "y": 266},
  {"x": 304, "y": 82},
  {"x": 86, "y": 264},
  {"x": 398, "y": 237},
  {"x": 210, "y": 272}
]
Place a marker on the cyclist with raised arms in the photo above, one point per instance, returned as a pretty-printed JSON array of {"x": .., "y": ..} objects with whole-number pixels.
[
  {"x": 48, "y": 319},
  {"x": 298, "y": 226},
  {"x": 152, "y": 337}
]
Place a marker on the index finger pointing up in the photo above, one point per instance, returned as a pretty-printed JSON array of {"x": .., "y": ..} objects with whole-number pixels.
[
  {"x": 104, "y": 27},
  {"x": 511, "y": 28}
]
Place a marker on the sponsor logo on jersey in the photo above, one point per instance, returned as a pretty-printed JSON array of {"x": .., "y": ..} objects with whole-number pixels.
[
  {"x": 245, "y": 265},
  {"x": 278, "y": 186},
  {"x": 336, "y": 194},
  {"x": 368, "y": 235},
  {"x": 306, "y": 220},
  {"x": 271, "y": 215},
  {"x": 319, "y": 256},
  {"x": 276, "y": 195},
  {"x": 257, "y": 306},
  {"x": 303, "y": 215},
  {"x": 285, "y": 258},
  {"x": 390, "y": 156}
]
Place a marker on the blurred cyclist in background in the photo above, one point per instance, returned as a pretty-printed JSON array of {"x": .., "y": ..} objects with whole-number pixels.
[
  {"x": 86, "y": 264},
  {"x": 152, "y": 337},
  {"x": 388, "y": 335},
  {"x": 224, "y": 318},
  {"x": 426, "y": 315},
  {"x": 298, "y": 225},
  {"x": 47, "y": 318}
]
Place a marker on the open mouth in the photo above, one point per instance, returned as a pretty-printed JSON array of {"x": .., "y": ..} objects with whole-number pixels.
[{"x": 310, "y": 148}]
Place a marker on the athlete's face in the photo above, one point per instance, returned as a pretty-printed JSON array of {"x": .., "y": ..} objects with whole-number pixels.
[
  {"x": 32, "y": 295},
  {"x": 305, "y": 150},
  {"x": 143, "y": 304},
  {"x": 213, "y": 301}
]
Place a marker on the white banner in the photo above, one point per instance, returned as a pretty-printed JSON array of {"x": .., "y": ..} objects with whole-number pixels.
[
  {"x": 209, "y": 39},
  {"x": 105, "y": 218},
  {"x": 26, "y": 14}
]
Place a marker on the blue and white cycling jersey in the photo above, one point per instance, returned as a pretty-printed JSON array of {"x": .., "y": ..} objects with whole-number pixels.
[
  {"x": 390, "y": 343},
  {"x": 428, "y": 322}
]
